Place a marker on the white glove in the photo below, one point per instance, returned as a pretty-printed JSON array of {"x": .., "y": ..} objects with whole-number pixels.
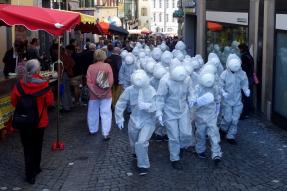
[
  {"x": 191, "y": 104},
  {"x": 247, "y": 92},
  {"x": 121, "y": 125},
  {"x": 143, "y": 105},
  {"x": 225, "y": 95},
  {"x": 205, "y": 99},
  {"x": 160, "y": 120}
]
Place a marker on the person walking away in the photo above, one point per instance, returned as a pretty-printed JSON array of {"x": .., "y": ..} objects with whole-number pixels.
[
  {"x": 33, "y": 50},
  {"x": 115, "y": 62},
  {"x": 68, "y": 64},
  {"x": 32, "y": 137},
  {"x": 100, "y": 81},
  {"x": 248, "y": 68}
]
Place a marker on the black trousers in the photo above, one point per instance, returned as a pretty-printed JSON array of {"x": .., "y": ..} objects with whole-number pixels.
[{"x": 32, "y": 141}]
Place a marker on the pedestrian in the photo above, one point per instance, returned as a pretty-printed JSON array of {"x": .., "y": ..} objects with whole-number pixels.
[
  {"x": 100, "y": 81},
  {"x": 32, "y": 137},
  {"x": 12, "y": 57},
  {"x": 204, "y": 101},
  {"x": 140, "y": 96},
  {"x": 33, "y": 50},
  {"x": 115, "y": 62},
  {"x": 173, "y": 111},
  {"x": 234, "y": 80},
  {"x": 67, "y": 73},
  {"x": 248, "y": 68}
]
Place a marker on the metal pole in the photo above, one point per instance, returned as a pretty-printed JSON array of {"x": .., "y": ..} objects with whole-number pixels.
[
  {"x": 164, "y": 15},
  {"x": 58, "y": 92}
]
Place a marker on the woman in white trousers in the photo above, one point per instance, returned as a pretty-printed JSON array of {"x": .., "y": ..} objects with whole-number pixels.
[{"x": 100, "y": 82}]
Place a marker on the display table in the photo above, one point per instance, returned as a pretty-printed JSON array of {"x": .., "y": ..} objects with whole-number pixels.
[{"x": 6, "y": 109}]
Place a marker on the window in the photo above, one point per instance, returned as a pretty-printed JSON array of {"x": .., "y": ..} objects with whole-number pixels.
[
  {"x": 160, "y": 3},
  {"x": 166, "y": 17},
  {"x": 154, "y": 3},
  {"x": 173, "y": 3},
  {"x": 173, "y": 19},
  {"x": 167, "y": 3},
  {"x": 154, "y": 17},
  {"x": 144, "y": 12},
  {"x": 160, "y": 14}
]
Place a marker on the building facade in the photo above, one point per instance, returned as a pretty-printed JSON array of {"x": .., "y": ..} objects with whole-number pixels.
[
  {"x": 162, "y": 19},
  {"x": 262, "y": 25}
]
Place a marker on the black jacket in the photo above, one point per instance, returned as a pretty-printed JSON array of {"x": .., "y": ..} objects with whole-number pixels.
[
  {"x": 115, "y": 62},
  {"x": 9, "y": 62},
  {"x": 247, "y": 64}
]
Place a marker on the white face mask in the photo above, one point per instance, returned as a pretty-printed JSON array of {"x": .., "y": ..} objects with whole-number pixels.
[
  {"x": 159, "y": 72},
  {"x": 149, "y": 67},
  {"x": 139, "y": 79},
  {"x": 129, "y": 60},
  {"x": 207, "y": 80},
  {"x": 178, "y": 74},
  {"x": 234, "y": 65}
]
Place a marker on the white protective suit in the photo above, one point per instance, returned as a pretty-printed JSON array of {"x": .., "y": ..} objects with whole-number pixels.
[
  {"x": 141, "y": 98},
  {"x": 225, "y": 54},
  {"x": 149, "y": 68},
  {"x": 173, "y": 94},
  {"x": 234, "y": 79},
  {"x": 128, "y": 67},
  {"x": 166, "y": 58},
  {"x": 163, "y": 47},
  {"x": 212, "y": 57},
  {"x": 204, "y": 100},
  {"x": 180, "y": 45},
  {"x": 235, "y": 48}
]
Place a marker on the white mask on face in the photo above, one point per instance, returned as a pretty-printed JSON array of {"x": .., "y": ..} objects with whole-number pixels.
[
  {"x": 188, "y": 66},
  {"x": 156, "y": 54},
  {"x": 180, "y": 45},
  {"x": 149, "y": 67},
  {"x": 234, "y": 65},
  {"x": 159, "y": 72},
  {"x": 124, "y": 53},
  {"x": 207, "y": 80},
  {"x": 178, "y": 74},
  {"x": 140, "y": 79},
  {"x": 129, "y": 59},
  {"x": 166, "y": 57},
  {"x": 209, "y": 68}
]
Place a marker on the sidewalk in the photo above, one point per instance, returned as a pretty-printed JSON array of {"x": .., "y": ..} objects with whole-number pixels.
[{"x": 258, "y": 162}]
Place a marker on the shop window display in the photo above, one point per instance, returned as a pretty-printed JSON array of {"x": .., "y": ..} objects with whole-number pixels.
[
  {"x": 224, "y": 39},
  {"x": 280, "y": 76}
]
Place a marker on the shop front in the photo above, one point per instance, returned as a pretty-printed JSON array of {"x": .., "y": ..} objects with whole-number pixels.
[{"x": 279, "y": 114}]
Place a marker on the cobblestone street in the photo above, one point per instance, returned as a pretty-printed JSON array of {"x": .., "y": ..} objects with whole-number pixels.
[{"x": 258, "y": 162}]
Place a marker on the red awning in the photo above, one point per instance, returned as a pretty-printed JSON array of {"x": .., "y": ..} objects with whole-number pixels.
[
  {"x": 214, "y": 26},
  {"x": 89, "y": 28},
  {"x": 52, "y": 21}
]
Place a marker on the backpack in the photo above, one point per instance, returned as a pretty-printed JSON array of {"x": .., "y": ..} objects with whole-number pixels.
[{"x": 26, "y": 114}]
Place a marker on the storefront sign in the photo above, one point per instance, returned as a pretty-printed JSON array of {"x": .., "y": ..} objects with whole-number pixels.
[
  {"x": 189, "y": 3},
  {"x": 238, "y": 18}
]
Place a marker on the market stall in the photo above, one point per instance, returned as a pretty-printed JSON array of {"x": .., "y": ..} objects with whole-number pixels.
[{"x": 55, "y": 22}]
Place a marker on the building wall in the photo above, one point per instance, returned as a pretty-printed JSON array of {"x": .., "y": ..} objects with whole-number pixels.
[
  {"x": 144, "y": 13},
  {"x": 171, "y": 23}
]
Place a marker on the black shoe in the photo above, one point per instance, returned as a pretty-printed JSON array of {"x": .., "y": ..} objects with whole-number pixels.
[
  {"x": 216, "y": 160},
  {"x": 190, "y": 149},
  {"x": 31, "y": 180},
  {"x": 142, "y": 171},
  {"x": 106, "y": 138},
  {"x": 222, "y": 133},
  {"x": 176, "y": 165},
  {"x": 165, "y": 138},
  {"x": 201, "y": 155},
  {"x": 39, "y": 170},
  {"x": 231, "y": 141},
  {"x": 134, "y": 156}
]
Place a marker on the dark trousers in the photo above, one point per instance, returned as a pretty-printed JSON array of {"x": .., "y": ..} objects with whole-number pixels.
[{"x": 32, "y": 141}]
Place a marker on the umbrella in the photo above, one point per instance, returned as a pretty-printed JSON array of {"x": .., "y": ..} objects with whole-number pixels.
[
  {"x": 145, "y": 31},
  {"x": 112, "y": 29},
  {"x": 55, "y": 22}
]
